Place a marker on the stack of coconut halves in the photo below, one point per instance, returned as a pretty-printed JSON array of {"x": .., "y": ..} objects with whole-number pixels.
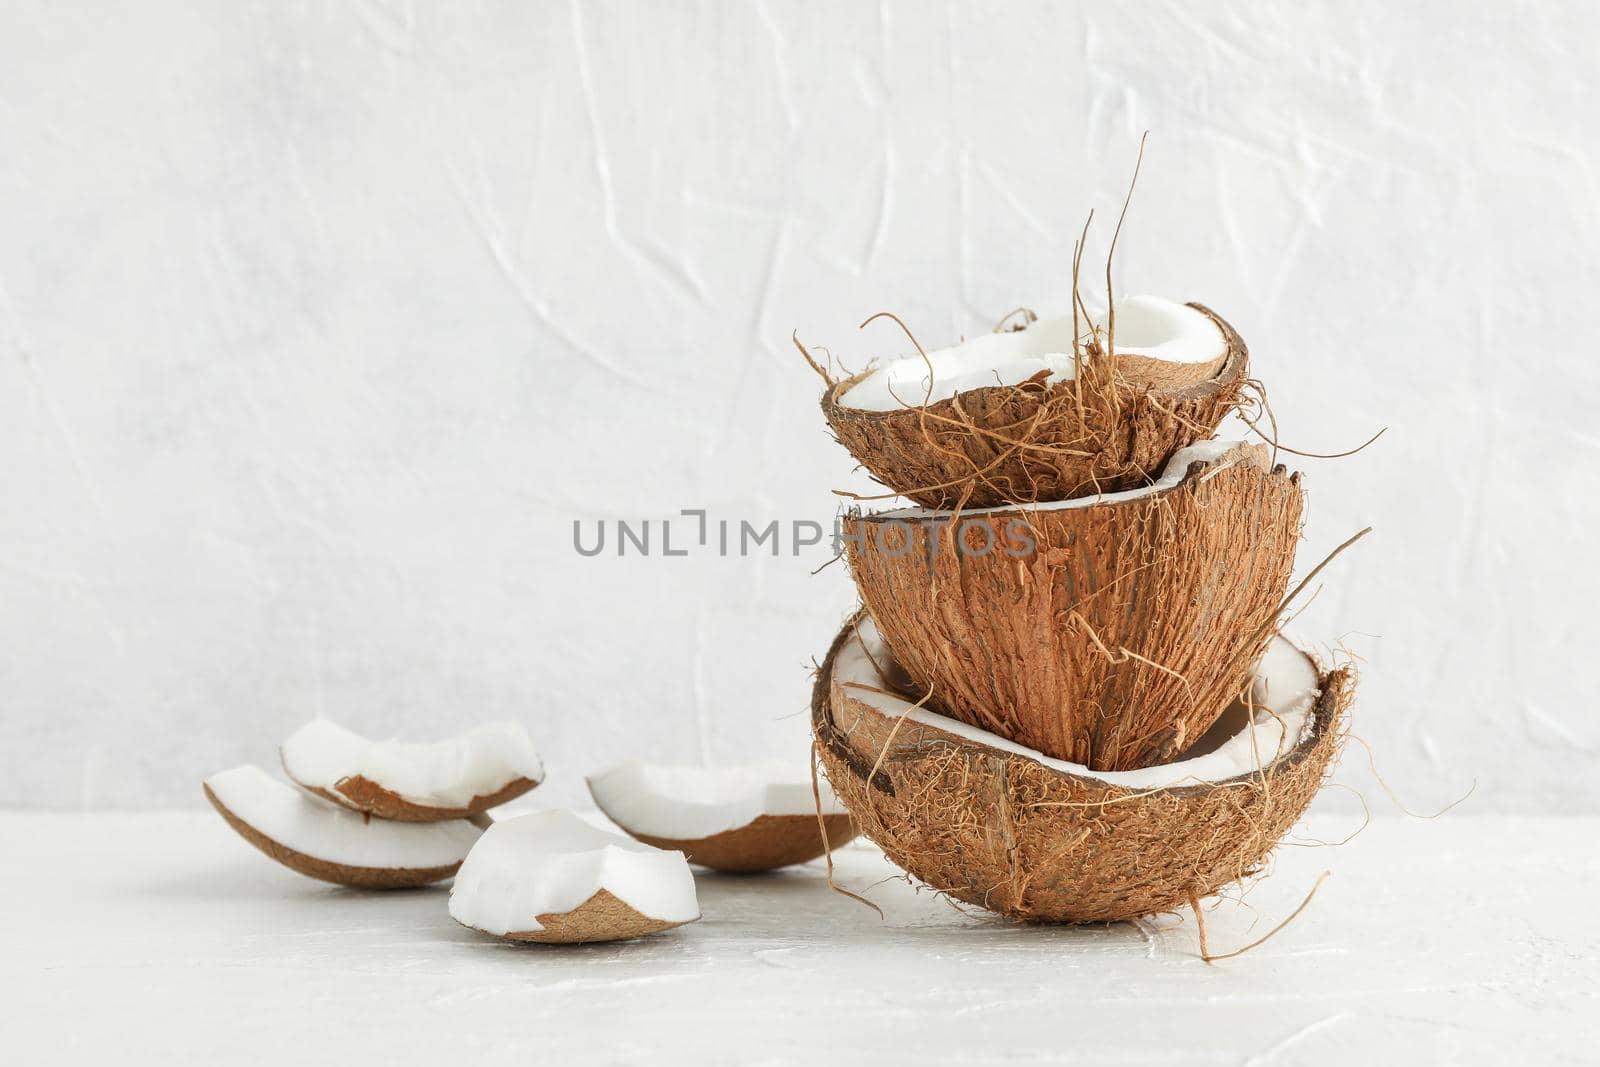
[{"x": 1066, "y": 697}]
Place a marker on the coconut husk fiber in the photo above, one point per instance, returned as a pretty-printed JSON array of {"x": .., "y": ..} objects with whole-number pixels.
[
  {"x": 1005, "y": 832},
  {"x": 1114, "y": 427},
  {"x": 763, "y": 844},
  {"x": 1118, "y": 638}
]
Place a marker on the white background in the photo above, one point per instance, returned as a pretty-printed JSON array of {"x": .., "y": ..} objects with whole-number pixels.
[{"x": 320, "y": 325}]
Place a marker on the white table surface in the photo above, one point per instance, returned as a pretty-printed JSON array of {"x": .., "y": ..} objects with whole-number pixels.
[{"x": 166, "y": 938}]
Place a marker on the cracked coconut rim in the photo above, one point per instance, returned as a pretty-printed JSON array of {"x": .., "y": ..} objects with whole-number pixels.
[
  {"x": 1150, "y": 330},
  {"x": 1283, "y": 689},
  {"x": 1176, "y": 470}
]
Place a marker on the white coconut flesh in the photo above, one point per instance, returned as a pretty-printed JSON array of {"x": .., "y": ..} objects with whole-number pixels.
[
  {"x": 691, "y": 803},
  {"x": 551, "y": 862},
  {"x": 1248, "y": 737},
  {"x": 1171, "y": 475},
  {"x": 325, "y": 831},
  {"x": 440, "y": 774},
  {"x": 1147, "y": 326}
]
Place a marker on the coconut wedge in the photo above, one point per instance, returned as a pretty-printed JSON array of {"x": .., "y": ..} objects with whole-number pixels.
[
  {"x": 328, "y": 842},
  {"x": 1005, "y": 827},
  {"x": 452, "y": 779},
  {"x": 1011, "y": 418},
  {"x": 1111, "y": 631},
  {"x": 553, "y": 877},
  {"x": 754, "y": 817}
]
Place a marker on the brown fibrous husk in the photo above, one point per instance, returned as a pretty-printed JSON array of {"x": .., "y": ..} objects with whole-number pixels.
[
  {"x": 1118, "y": 638},
  {"x": 1113, "y": 427},
  {"x": 763, "y": 844},
  {"x": 1005, "y": 832}
]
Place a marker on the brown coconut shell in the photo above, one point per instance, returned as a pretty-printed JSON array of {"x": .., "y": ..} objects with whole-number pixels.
[
  {"x": 1164, "y": 375},
  {"x": 326, "y": 871},
  {"x": 1112, "y": 429},
  {"x": 359, "y": 793},
  {"x": 1118, "y": 638},
  {"x": 764, "y": 844},
  {"x": 1007, "y": 833},
  {"x": 603, "y": 917}
]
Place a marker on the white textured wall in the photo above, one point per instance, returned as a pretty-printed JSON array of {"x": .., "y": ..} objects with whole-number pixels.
[{"x": 319, "y": 324}]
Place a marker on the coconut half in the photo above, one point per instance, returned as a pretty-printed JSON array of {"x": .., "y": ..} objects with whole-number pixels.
[
  {"x": 1003, "y": 826},
  {"x": 450, "y": 779},
  {"x": 1006, "y": 418},
  {"x": 753, "y": 817},
  {"x": 1111, "y": 631},
  {"x": 332, "y": 843},
  {"x": 551, "y": 876}
]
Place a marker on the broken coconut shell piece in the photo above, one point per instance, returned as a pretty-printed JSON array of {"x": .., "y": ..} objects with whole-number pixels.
[
  {"x": 754, "y": 817},
  {"x": 1009, "y": 418},
  {"x": 552, "y": 877},
  {"x": 455, "y": 778},
  {"x": 1111, "y": 631},
  {"x": 331, "y": 843},
  {"x": 1006, "y": 828}
]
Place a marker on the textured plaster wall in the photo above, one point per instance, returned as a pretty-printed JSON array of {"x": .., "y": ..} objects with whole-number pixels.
[{"x": 321, "y": 323}]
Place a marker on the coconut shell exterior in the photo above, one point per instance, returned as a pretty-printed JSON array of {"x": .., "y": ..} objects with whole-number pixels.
[
  {"x": 603, "y": 917},
  {"x": 360, "y": 793},
  {"x": 1118, "y": 638},
  {"x": 764, "y": 844},
  {"x": 1162, "y": 374},
  {"x": 1007, "y": 833},
  {"x": 326, "y": 871},
  {"x": 1114, "y": 429}
]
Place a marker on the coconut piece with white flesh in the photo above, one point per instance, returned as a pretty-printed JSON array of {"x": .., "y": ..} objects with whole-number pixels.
[
  {"x": 1110, "y": 630},
  {"x": 551, "y": 876},
  {"x": 1161, "y": 341},
  {"x": 1005, "y": 827},
  {"x": 1014, "y": 417},
  {"x": 332, "y": 843},
  {"x": 455, "y": 778},
  {"x": 750, "y": 817}
]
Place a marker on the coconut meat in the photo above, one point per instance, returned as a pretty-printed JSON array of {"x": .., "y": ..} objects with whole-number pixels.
[
  {"x": 1148, "y": 326},
  {"x": 690, "y": 803},
  {"x": 1172, "y": 474},
  {"x": 325, "y": 831},
  {"x": 1282, "y": 693},
  {"x": 550, "y": 862},
  {"x": 441, "y": 774}
]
